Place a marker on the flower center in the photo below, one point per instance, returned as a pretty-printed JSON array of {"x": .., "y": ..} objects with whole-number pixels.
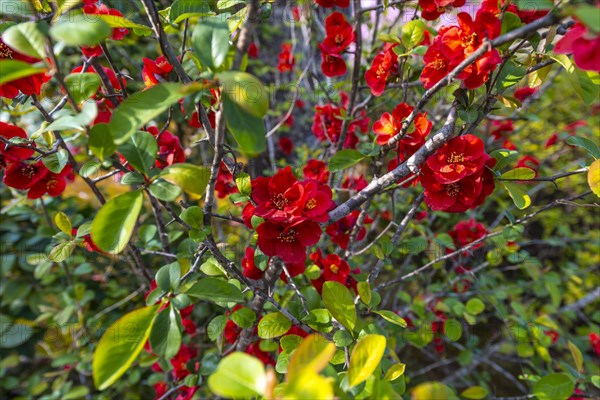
[
  {"x": 288, "y": 237},
  {"x": 469, "y": 40},
  {"x": 339, "y": 39},
  {"x": 5, "y": 51},
  {"x": 439, "y": 64},
  {"x": 29, "y": 171},
  {"x": 310, "y": 204},
  {"x": 329, "y": 58},
  {"x": 51, "y": 183},
  {"x": 455, "y": 158},
  {"x": 452, "y": 190},
  {"x": 334, "y": 268},
  {"x": 380, "y": 71},
  {"x": 280, "y": 201}
]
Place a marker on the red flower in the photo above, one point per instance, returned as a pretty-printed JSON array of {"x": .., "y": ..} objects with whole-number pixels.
[
  {"x": 254, "y": 350},
  {"x": 91, "y": 7},
  {"x": 316, "y": 170},
  {"x": 551, "y": 140},
  {"x": 269, "y": 194},
  {"x": 225, "y": 184},
  {"x": 466, "y": 232},
  {"x": 51, "y": 183},
  {"x": 155, "y": 71},
  {"x": 335, "y": 269},
  {"x": 332, "y": 3},
  {"x": 432, "y": 9},
  {"x": 552, "y": 334},
  {"x": 595, "y": 342},
  {"x": 437, "y": 65},
  {"x": 179, "y": 362},
  {"x": 529, "y": 162},
  {"x": 523, "y": 93},
  {"x": 583, "y": 44},
  {"x": 384, "y": 65},
  {"x": 286, "y": 145},
  {"x": 339, "y": 33},
  {"x": 252, "y": 50},
  {"x": 29, "y": 85},
  {"x": 499, "y": 128},
  {"x": 89, "y": 244},
  {"x": 356, "y": 183},
  {"x": 332, "y": 64},
  {"x": 22, "y": 175},
  {"x": 527, "y": 16},
  {"x": 327, "y": 123},
  {"x": 459, "y": 196},
  {"x": 340, "y": 230},
  {"x": 460, "y": 157},
  {"x": 389, "y": 125},
  {"x": 288, "y": 241},
  {"x": 169, "y": 148},
  {"x": 13, "y": 153},
  {"x": 250, "y": 270},
  {"x": 286, "y": 58},
  {"x": 247, "y": 214}
]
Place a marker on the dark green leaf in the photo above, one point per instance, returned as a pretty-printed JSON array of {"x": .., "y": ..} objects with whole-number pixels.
[
  {"x": 340, "y": 303},
  {"x": 273, "y": 325},
  {"x": 55, "y": 162},
  {"x": 183, "y": 9},
  {"x": 216, "y": 290},
  {"x": 584, "y": 143},
  {"x": 26, "y": 38},
  {"x": 80, "y": 30},
  {"x": 165, "y": 337},
  {"x": 100, "y": 141},
  {"x": 554, "y": 387},
  {"x": 164, "y": 190},
  {"x": 244, "y": 317},
  {"x": 210, "y": 41},
  {"x": 247, "y": 130},
  {"x": 140, "y": 151},
  {"x": 82, "y": 86},
  {"x": 345, "y": 159}
]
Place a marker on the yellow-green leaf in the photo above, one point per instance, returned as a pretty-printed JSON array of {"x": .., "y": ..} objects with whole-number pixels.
[
  {"x": 121, "y": 344},
  {"x": 475, "y": 393},
  {"x": 63, "y": 223},
  {"x": 594, "y": 177},
  {"x": 340, "y": 303},
  {"x": 577, "y": 356},
  {"x": 395, "y": 372},
  {"x": 522, "y": 173},
  {"x": 191, "y": 178},
  {"x": 432, "y": 390},
  {"x": 392, "y": 317},
  {"x": 365, "y": 358},
  {"x": 313, "y": 354},
  {"x": 239, "y": 376}
]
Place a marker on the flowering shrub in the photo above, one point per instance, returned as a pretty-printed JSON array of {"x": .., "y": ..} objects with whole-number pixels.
[{"x": 311, "y": 200}]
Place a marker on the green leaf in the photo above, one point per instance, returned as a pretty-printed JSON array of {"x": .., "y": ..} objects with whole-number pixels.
[
  {"x": 345, "y": 159},
  {"x": 342, "y": 338},
  {"x": 244, "y": 184},
  {"x": 413, "y": 33},
  {"x": 534, "y": 5},
  {"x": 210, "y": 41},
  {"x": 193, "y": 216},
  {"x": 61, "y": 251},
  {"x": 589, "y": 16},
  {"x": 184, "y": 9},
  {"x": 248, "y": 131},
  {"x": 475, "y": 306},
  {"x": 596, "y": 381},
  {"x": 115, "y": 21},
  {"x": 113, "y": 225},
  {"x": 82, "y": 86},
  {"x": 14, "y": 69},
  {"x": 289, "y": 343},
  {"x": 167, "y": 277},
  {"x": 140, "y": 151},
  {"x": 584, "y": 83},
  {"x": 216, "y": 327},
  {"x": 164, "y": 190},
  {"x": 89, "y": 112},
  {"x": 392, "y": 317},
  {"x": 165, "y": 336},
  {"x": 26, "y": 38},
  {"x": 593, "y": 177},
  {"x": 216, "y": 290},
  {"x": 80, "y": 30},
  {"x": 142, "y": 107},
  {"x": 554, "y": 387},
  {"x": 364, "y": 291},
  {"x": 55, "y": 162},
  {"x": 432, "y": 390},
  {"x": 246, "y": 91},
  {"x": 273, "y": 325},
  {"x": 100, "y": 141},
  {"x": 340, "y": 303},
  {"x": 503, "y": 158},
  {"x": 518, "y": 194},
  {"x": 238, "y": 376},
  {"x": 63, "y": 222},
  {"x": 519, "y": 174},
  {"x": 244, "y": 317},
  {"x": 120, "y": 345},
  {"x": 365, "y": 358},
  {"x": 475, "y": 392},
  {"x": 191, "y": 178},
  {"x": 586, "y": 144},
  {"x": 313, "y": 355},
  {"x": 577, "y": 356},
  {"x": 395, "y": 372}
]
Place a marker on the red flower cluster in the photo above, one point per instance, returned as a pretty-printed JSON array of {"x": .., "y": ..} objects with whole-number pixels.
[
  {"x": 327, "y": 123},
  {"x": 333, "y": 3},
  {"x": 340, "y": 230},
  {"x": 286, "y": 58},
  {"x": 384, "y": 66},
  {"x": 339, "y": 36},
  {"x": 33, "y": 177},
  {"x": 455, "y": 43},
  {"x": 526, "y": 16},
  {"x": 225, "y": 184},
  {"x": 389, "y": 125},
  {"x": 155, "y": 71},
  {"x": 524, "y": 93},
  {"x": 583, "y": 44},
  {"x": 169, "y": 148},
  {"x": 316, "y": 170},
  {"x": 432, "y": 9},
  {"x": 29, "y": 85},
  {"x": 286, "y": 145},
  {"x": 91, "y": 7},
  {"x": 595, "y": 342},
  {"x": 457, "y": 177},
  {"x": 333, "y": 268},
  {"x": 499, "y": 131},
  {"x": 466, "y": 232},
  {"x": 292, "y": 211}
]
